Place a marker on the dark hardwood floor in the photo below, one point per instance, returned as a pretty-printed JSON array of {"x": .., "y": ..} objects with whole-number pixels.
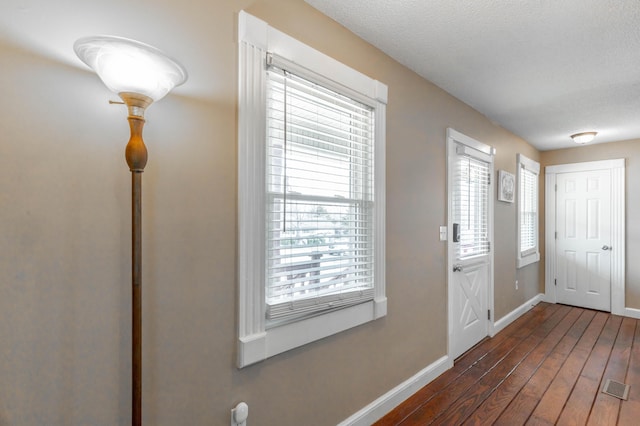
[{"x": 547, "y": 367}]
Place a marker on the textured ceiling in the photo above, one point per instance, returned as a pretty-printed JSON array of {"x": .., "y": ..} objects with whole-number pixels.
[{"x": 543, "y": 69}]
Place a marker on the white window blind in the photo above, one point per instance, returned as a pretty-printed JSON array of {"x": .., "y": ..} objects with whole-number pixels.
[
  {"x": 319, "y": 204},
  {"x": 527, "y": 233},
  {"x": 470, "y": 206},
  {"x": 528, "y": 211}
]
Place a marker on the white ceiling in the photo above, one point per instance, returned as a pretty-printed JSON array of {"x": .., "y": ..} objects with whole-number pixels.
[{"x": 543, "y": 69}]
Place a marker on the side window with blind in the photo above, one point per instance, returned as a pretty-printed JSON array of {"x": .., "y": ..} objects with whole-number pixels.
[
  {"x": 527, "y": 233},
  {"x": 311, "y": 194}
]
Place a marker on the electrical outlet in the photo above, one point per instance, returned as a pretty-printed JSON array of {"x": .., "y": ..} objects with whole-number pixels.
[{"x": 239, "y": 414}]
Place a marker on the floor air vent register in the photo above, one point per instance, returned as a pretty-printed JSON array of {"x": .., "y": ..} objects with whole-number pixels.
[{"x": 617, "y": 389}]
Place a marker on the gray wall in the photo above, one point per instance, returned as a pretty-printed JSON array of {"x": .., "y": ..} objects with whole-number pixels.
[{"x": 65, "y": 243}]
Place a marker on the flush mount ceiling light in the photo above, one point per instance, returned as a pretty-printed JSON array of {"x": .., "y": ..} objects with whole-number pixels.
[{"x": 584, "y": 137}]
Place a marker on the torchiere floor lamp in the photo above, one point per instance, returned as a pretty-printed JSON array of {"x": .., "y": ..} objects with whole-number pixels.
[{"x": 140, "y": 74}]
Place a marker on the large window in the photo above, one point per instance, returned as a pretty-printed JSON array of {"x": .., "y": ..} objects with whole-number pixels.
[
  {"x": 311, "y": 194},
  {"x": 528, "y": 247}
]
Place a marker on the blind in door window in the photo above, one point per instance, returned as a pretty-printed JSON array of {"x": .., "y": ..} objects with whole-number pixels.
[
  {"x": 528, "y": 211},
  {"x": 470, "y": 206},
  {"x": 320, "y": 224}
]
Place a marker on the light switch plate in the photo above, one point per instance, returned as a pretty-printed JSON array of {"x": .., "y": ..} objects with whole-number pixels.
[{"x": 443, "y": 233}]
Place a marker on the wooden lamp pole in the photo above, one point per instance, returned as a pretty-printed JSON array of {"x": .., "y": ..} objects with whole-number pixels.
[
  {"x": 136, "y": 155},
  {"x": 140, "y": 74}
]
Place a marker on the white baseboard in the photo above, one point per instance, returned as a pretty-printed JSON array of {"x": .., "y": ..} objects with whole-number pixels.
[
  {"x": 632, "y": 313},
  {"x": 390, "y": 400},
  {"x": 516, "y": 313}
]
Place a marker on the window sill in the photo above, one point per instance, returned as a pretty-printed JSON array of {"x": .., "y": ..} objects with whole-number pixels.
[
  {"x": 258, "y": 347},
  {"x": 521, "y": 262}
]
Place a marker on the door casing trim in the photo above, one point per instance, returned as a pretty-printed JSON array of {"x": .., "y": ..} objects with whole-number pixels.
[{"x": 617, "y": 168}]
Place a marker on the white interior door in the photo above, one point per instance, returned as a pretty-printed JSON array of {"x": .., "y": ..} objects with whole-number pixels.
[
  {"x": 470, "y": 234},
  {"x": 583, "y": 243}
]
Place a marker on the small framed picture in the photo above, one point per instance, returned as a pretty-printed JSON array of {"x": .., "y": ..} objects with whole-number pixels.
[{"x": 506, "y": 186}]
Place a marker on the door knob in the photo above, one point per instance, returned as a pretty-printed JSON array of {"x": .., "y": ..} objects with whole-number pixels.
[
  {"x": 457, "y": 268},
  {"x": 605, "y": 247}
]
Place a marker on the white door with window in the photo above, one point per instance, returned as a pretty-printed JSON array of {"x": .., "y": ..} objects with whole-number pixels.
[
  {"x": 470, "y": 167},
  {"x": 583, "y": 244}
]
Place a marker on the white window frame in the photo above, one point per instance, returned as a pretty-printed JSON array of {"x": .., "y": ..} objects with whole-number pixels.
[
  {"x": 532, "y": 256},
  {"x": 256, "y": 342}
]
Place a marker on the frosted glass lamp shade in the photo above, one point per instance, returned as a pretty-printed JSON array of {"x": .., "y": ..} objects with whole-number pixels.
[{"x": 128, "y": 66}]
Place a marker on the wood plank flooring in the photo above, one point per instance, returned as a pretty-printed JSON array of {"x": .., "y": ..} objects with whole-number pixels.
[{"x": 547, "y": 367}]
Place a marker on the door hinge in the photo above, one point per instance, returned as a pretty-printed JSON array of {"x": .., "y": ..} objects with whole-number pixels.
[
  {"x": 556, "y": 235},
  {"x": 488, "y": 178},
  {"x": 555, "y": 281},
  {"x": 489, "y": 314},
  {"x": 556, "y": 187}
]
